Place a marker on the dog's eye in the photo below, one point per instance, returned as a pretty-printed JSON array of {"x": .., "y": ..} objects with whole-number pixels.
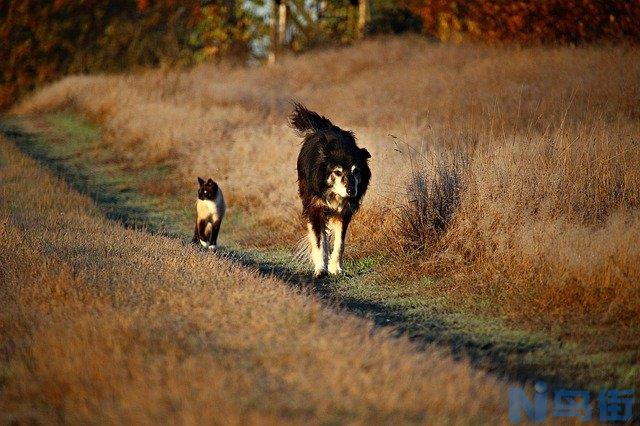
[{"x": 337, "y": 173}]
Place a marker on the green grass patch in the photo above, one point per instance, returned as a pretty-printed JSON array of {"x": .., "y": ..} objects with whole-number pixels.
[{"x": 79, "y": 131}]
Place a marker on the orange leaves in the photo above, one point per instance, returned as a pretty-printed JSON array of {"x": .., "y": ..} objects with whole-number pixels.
[
  {"x": 527, "y": 22},
  {"x": 143, "y": 5}
]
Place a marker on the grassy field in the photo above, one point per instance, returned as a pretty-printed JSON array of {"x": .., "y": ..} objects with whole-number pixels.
[
  {"x": 534, "y": 276},
  {"x": 546, "y": 228},
  {"x": 104, "y": 324},
  {"x": 73, "y": 148}
]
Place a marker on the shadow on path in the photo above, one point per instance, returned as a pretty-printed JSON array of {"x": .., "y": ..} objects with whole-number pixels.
[
  {"x": 117, "y": 202},
  {"x": 492, "y": 357}
]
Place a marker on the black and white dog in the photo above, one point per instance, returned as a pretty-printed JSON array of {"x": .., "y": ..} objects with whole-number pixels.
[{"x": 333, "y": 176}]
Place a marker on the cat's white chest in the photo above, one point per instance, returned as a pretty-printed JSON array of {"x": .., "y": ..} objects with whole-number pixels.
[{"x": 209, "y": 209}]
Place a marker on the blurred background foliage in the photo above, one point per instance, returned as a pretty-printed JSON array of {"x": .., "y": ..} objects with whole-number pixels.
[
  {"x": 43, "y": 40},
  {"x": 530, "y": 21}
]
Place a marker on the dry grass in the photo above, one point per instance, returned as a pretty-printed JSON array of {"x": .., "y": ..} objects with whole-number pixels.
[
  {"x": 433, "y": 199},
  {"x": 548, "y": 224},
  {"x": 108, "y": 325}
]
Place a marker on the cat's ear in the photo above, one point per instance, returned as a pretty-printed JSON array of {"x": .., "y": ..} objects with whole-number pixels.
[{"x": 200, "y": 181}]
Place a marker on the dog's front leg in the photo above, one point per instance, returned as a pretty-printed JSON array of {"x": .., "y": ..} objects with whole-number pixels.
[
  {"x": 338, "y": 227},
  {"x": 335, "y": 260},
  {"x": 318, "y": 242}
]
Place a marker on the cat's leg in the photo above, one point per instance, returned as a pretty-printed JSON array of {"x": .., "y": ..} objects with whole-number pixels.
[
  {"x": 213, "y": 240},
  {"x": 202, "y": 233}
]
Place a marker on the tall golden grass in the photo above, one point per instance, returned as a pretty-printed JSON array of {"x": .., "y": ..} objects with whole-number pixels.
[
  {"x": 547, "y": 227},
  {"x": 100, "y": 324}
]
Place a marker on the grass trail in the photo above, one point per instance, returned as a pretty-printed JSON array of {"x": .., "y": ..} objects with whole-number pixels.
[
  {"x": 73, "y": 148},
  {"x": 106, "y": 324}
]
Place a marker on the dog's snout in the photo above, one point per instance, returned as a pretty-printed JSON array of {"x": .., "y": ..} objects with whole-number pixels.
[{"x": 352, "y": 186}]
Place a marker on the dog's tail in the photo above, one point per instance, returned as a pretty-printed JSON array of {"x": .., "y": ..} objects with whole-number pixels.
[{"x": 305, "y": 121}]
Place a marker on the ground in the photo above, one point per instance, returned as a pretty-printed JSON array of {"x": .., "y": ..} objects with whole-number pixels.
[
  {"x": 104, "y": 323},
  {"x": 542, "y": 292}
]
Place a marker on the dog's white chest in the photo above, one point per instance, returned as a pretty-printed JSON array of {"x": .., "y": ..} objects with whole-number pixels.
[{"x": 336, "y": 203}]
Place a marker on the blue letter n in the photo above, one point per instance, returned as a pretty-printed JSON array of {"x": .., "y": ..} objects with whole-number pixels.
[{"x": 536, "y": 411}]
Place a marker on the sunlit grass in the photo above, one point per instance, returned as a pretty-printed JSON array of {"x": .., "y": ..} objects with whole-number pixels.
[
  {"x": 418, "y": 306},
  {"x": 106, "y": 324},
  {"x": 544, "y": 238}
]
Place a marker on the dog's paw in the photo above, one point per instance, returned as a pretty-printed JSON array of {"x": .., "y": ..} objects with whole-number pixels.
[
  {"x": 320, "y": 274},
  {"x": 213, "y": 247},
  {"x": 335, "y": 270}
]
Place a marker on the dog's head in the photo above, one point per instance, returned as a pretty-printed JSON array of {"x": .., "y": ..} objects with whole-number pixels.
[
  {"x": 332, "y": 162},
  {"x": 208, "y": 189},
  {"x": 346, "y": 172}
]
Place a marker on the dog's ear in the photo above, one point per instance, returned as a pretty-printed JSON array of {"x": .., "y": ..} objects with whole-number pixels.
[
  {"x": 210, "y": 181},
  {"x": 200, "y": 181},
  {"x": 316, "y": 172},
  {"x": 317, "y": 178},
  {"x": 365, "y": 153}
]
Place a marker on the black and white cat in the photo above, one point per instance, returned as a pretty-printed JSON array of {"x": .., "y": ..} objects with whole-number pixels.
[{"x": 210, "y": 210}]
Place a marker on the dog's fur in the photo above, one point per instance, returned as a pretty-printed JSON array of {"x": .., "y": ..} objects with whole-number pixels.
[
  {"x": 210, "y": 210},
  {"x": 333, "y": 176}
]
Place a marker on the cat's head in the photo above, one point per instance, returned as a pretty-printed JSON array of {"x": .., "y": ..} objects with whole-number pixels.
[{"x": 208, "y": 189}]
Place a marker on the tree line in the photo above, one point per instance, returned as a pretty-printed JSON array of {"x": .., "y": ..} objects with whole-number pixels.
[{"x": 41, "y": 40}]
